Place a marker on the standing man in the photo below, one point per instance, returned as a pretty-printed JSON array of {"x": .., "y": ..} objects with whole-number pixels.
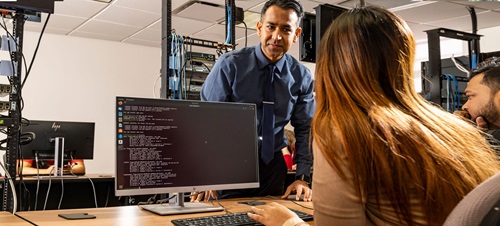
[
  {"x": 282, "y": 89},
  {"x": 483, "y": 104}
]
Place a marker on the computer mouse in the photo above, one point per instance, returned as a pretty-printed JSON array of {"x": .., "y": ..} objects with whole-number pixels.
[{"x": 293, "y": 196}]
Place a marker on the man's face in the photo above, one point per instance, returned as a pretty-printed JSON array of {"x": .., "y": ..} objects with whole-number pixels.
[
  {"x": 277, "y": 30},
  {"x": 482, "y": 102}
]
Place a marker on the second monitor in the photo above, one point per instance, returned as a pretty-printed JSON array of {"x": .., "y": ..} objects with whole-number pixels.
[{"x": 176, "y": 146}]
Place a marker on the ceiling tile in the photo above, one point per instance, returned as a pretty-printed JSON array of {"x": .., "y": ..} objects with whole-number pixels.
[
  {"x": 29, "y": 27},
  {"x": 481, "y": 5},
  {"x": 153, "y": 6},
  {"x": 202, "y": 11},
  {"x": 107, "y": 28},
  {"x": 244, "y": 4},
  {"x": 177, "y": 3},
  {"x": 185, "y": 26},
  {"x": 331, "y": 2},
  {"x": 96, "y": 36},
  {"x": 157, "y": 25},
  {"x": 148, "y": 34},
  {"x": 127, "y": 16},
  {"x": 484, "y": 20},
  {"x": 387, "y": 4},
  {"x": 58, "y": 22},
  {"x": 79, "y": 8},
  {"x": 419, "y": 30},
  {"x": 436, "y": 11},
  {"x": 143, "y": 42},
  {"x": 217, "y": 33}
]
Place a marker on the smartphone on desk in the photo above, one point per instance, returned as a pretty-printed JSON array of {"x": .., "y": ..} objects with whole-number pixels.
[{"x": 76, "y": 216}]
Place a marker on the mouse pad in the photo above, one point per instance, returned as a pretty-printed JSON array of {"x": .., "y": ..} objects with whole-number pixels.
[{"x": 76, "y": 216}]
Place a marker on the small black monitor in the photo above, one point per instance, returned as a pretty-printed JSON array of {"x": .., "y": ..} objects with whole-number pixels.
[
  {"x": 313, "y": 28},
  {"x": 307, "y": 39},
  {"x": 176, "y": 146},
  {"x": 46, "y": 6},
  {"x": 39, "y": 137}
]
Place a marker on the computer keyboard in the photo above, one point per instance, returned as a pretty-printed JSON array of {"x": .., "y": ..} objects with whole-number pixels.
[{"x": 233, "y": 219}]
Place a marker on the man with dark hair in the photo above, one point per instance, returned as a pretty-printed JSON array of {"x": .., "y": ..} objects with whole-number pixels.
[
  {"x": 483, "y": 104},
  {"x": 281, "y": 88}
]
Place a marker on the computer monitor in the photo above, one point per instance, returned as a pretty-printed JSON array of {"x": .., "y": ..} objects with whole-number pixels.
[
  {"x": 39, "y": 137},
  {"x": 176, "y": 146},
  {"x": 313, "y": 28},
  {"x": 60, "y": 141}
]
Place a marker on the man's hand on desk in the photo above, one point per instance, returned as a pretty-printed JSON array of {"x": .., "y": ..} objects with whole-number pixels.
[
  {"x": 301, "y": 187},
  {"x": 202, "y": 196}
]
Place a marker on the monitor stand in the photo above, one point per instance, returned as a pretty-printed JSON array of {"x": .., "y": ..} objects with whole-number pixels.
[
  {"x": 58, "y": 156},
  {"x": 180, "y": 207}
]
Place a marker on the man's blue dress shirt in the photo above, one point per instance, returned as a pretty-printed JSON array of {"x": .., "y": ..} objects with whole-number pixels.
[{"x": 240, "y": 75}]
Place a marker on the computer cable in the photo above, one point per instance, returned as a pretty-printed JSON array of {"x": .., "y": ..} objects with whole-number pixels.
[
  {"x": 229, "y": 24},
  {"x": 154, "y": 85},
  {"x": 107, "y": 197},
  {"x": 91, "y": 182},
  {"x": 12, "y": 187},
  {"x": 182, "y": 69},
  {"x": 191, "y": 63},
  {"x": 36, "y": 49},
  {"x": 48, "y": 188},
  {"x": 62, "y": 190},
  {"x": 246, "y": 32},
  {"x": 161, "y": 201},
  {"x": 459, "y": 66},
  {"x": 37, "y": 180},
  {"x": 455, "y": 92},
  {"x": 150, "y": 201},
  {"x": 25, "y": 193}
]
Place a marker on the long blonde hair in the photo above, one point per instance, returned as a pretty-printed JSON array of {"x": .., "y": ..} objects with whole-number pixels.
[{"x": 394, "y": 140}]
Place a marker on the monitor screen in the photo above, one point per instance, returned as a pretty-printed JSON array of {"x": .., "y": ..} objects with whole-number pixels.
[
  {"x": 175, "y": 146},
  {"x": 38, "y": 136}
]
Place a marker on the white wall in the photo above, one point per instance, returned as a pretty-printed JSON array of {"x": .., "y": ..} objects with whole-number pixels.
[
  {"x": 77, "y": 79},
  {"x": 489, "y": 41}
]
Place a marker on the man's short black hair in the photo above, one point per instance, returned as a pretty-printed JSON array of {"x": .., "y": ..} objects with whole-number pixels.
[
  {"x": 491, "y": 70},
  {"x": 285, "y": 4}
]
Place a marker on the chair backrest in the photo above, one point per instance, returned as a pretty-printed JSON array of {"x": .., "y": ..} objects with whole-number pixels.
[{"x": 481, "y": 207}]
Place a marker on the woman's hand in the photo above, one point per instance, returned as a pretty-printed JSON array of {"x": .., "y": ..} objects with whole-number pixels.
[{"x": 272, "y": 214}]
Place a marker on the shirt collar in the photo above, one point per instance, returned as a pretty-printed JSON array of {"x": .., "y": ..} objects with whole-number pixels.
[{"x": 263, "y": 61}]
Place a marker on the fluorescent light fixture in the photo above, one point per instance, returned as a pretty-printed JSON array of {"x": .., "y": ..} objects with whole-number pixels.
[
  {"x": 105, "y": 1},
  {"x": 411, "y": 5}
]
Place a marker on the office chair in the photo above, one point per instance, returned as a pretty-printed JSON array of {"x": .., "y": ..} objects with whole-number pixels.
[{"x": 480, "y": 207}]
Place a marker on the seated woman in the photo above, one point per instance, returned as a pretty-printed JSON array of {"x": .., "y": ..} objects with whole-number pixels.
[
  {"x": 46, "y": 167},
  {"x": 289, "y": 151},
  {"x": 382, "y": 154}
]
